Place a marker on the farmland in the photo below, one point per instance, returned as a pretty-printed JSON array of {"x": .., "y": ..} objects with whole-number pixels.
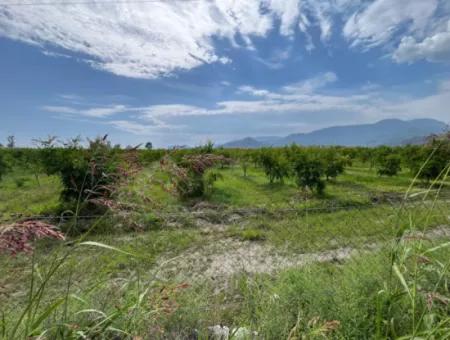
[{"x": 298, "y": 243}]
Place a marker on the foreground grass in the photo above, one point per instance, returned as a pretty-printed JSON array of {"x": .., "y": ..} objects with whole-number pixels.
[
  {"x": 360, "y": 299},
  {"x": 109, "y": 287}
]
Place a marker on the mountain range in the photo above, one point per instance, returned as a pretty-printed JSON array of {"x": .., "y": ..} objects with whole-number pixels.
[{"x": 385, "y": 132}]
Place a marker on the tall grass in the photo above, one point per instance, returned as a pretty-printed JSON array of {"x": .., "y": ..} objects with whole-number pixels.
[{"x": 398, "y": 291}]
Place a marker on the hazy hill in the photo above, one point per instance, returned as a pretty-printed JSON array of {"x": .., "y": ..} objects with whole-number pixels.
[{"x": 385, "y": 132}]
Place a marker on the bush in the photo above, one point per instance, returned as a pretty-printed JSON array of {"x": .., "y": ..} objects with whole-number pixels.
[
  {"x": 188, "y": 174},
  {"x": 438, "y": 156},
  {"x": 389, "y": 165},
  {"x": 20, "y": 182},
  {"x": 245, "y": 161},
  {"x": 85, "y": 173},
  {"x": 308, "y": 173},
  {"x": 275, "y": 166},
  {"x": 334, "y": 164},
  {"x": 209, "y": 178}
]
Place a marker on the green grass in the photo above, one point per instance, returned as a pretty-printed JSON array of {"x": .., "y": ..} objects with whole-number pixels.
[
  {"x": 316, "y": 230},
  {"x": 31, "y": 198},
  {"x": 103, "y": 290},
  {"x": 357, "y": 186},
  {"x": 99, "y": 278},
  {"x": 302, "y": 301},
  {"x": 248, "y": 234},
  {"x": 354, "y": 294}
]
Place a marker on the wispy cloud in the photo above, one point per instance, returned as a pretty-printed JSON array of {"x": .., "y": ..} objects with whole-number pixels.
[
  {"x": 96, "y": 112},
  {"x": 150, "y": 40},
  {"x": 382, "y": 19},
  {"x": 309, "y": 98},
  {"x": 410, "y": 30},
  {"x": 312, "y": 84}
]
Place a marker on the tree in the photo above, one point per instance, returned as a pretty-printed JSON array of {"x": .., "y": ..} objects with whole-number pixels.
[
  {"x": 11, "y": 142},
  {"x": 334, "y": 164},
  {"x": 308, "y": 173},
  {"x": 149, "y": 145},
  {"x": 73, "y": 142},
  {"x": 208, "y": 148},
  {"x": 85, "y": 173},
  {"x": 389, "y": 165},
  {"x": 245, "y": 160},
  {"x": 49, "y": 142},
  {"x": 275, "y": 166},
  {"x": 433, "y": 159}
]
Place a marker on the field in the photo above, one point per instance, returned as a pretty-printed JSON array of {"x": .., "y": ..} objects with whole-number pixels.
[{"x": 366, "y": 258}]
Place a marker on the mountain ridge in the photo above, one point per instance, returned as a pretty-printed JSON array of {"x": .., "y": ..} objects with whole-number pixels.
[{"x": 384, "y": 132}]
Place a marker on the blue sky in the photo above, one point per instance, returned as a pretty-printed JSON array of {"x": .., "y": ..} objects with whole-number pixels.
[{"x": 183, "y": 72}]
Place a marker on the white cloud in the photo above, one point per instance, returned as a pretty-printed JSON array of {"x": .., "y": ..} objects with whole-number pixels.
[
  {"x": 369, "y": 103},
  {"x": 277, "y": 59},
  {"x": 382, "y": 19},
  {"x": 434, "y": 48},
  {"x": 132, "y": 127},
  {"x": 150, "y": 112},
  {"x": 142, "y": 40},
  {"x": 96, "y": 112},
  {"x": 307, "y": 101},
  {"x": 312, "y": 84},
  {"x": 153, "y": 39}
]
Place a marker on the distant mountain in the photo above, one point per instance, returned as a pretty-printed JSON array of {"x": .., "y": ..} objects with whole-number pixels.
[
  {"x": 385, "y": 132},
  {"x": 246, "y": 143}
]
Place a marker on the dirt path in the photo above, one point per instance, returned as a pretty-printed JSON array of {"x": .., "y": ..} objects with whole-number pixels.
[{"x": 220, "y": 257}]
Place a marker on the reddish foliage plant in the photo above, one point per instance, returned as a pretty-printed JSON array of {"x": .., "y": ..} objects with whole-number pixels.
[{"x": 18, "y": 237}]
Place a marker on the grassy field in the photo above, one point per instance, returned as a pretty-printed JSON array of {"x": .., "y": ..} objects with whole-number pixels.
[
  {"x": 251, "y": 255},
  {"x": 23, "y": 193}
]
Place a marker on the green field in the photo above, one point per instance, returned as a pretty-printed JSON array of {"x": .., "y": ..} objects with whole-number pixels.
[{"x": 262, "y": 257}]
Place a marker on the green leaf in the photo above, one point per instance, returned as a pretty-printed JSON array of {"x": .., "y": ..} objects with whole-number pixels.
[
  {"x": 102, "y": 245},
  {"x": 46, "y": 313},
  {"x": 402, "y": 280}
]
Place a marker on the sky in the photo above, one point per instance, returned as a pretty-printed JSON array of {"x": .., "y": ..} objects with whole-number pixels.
[{"x": 188, "y": 71}]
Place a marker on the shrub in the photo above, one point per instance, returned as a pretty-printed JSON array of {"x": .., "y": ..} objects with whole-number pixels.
[
  {"x": 209, "y": 178},
  {"x": 17, "y": 237},
  {"x": 244, "y": 157},
  {"x": 334, "y": 164},
  {"x": 20, "y": 182},
  {"x": 275, "y": 166},
  {"x": 389, "y": 165},
  {"x": 438, "y": 155},
  {"x": 208, "y": 148},
  {"x": 85, "y": 173},
  {"x": 188, "y": 174},
  {"x": 308, "y": 173}
]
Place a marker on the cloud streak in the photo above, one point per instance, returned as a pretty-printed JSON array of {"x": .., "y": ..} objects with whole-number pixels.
[
  {"x": 151, "y": 40},
  {"x": 293, "y": 104},
  {"x": 144, "y": 40},
  {"x": 141, "y": 40}
]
